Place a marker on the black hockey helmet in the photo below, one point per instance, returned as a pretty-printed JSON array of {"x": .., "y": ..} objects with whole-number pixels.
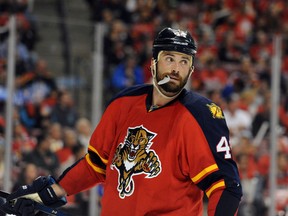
[{"x": 170, "y": 39}]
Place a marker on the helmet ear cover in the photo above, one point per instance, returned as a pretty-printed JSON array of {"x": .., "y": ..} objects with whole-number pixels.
[{"x": 174, "y": 40}]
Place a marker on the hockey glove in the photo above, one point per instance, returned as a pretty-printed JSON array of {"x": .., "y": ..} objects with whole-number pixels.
[
  {"x": 40, "y": 191},
  {"x": 21, "y": 206}
]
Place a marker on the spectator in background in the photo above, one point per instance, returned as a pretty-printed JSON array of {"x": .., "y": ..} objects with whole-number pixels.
[
  {"x": 35, "y": 118},
  {"x": 207, "y": 43},
  {"x": 64, "y": 112},
  {"x": 127, "y": 73},
  {"x": 43, "y": 157},
  {"x": 245, "y": 77},
  {"x": 245, "y": 20},
  {"x": 43, "y": 74},
  {"x": 245, "y": 145},
  {"x": 282, "y": 167},
  {"x": 37, "y": 83},
  {"x": 262, "y": 115},
  {"x": 115, "y": 42},
  {"x": 117, "y": 7},
  {"x": 26, "y": 26},
  {"x": 230, "y": 50},
  {"x": 55, "y": 134},
  {"x": 143, "y": 27},
  {"x": 48, "y": 103},
  {"x": 24, "y": 60},
  {"x": 265, "y": 76},
  {"x": 213, "y": 76},
  {"x": 36, "y": 87},
  {"x": 84, "y": 131},
  {"x": 29, "y": 173},
  {"x": 30, "y": 116},
  {"x": 23, "y": 143},
  {"x": 65, "y": 155},
  {"x": 144, "y": 60},
  {"x": 238, "y": 120},
  {"x": 216, "y": 96},
  {"x": 282, "y": 178},
  {"x": 252, "y": 203},
  {"x": 261, "y": 47}
]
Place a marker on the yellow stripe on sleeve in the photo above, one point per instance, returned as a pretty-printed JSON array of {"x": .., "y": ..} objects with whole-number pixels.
[
  {"x": 96, "y": 169},
  {"x": 219, "y": 184},
  {"x": 204, "y": 172},
  {"x": 94, "y": 150}
]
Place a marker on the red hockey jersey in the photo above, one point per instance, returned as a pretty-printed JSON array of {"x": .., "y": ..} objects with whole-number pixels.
[{"x": 157, "y": 161}]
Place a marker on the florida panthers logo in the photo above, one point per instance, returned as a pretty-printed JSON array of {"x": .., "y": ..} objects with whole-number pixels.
[{"x": 134, "y": 157}]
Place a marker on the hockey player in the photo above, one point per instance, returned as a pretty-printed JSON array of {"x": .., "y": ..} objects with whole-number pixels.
[{"x": 157, "y": 148}]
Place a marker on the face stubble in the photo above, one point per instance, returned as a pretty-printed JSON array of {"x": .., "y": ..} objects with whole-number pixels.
[{"x": 172, "y": 87}]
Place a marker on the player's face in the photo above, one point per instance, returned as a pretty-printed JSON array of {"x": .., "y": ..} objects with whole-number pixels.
[{"x": 178, "y": 67}]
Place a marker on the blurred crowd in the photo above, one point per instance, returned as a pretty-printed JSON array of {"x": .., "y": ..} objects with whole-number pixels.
[{"x": 233, "y": 67}]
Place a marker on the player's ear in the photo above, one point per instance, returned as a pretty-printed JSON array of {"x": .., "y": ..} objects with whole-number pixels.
[
  {"x": 191, "y": 70},
  {"x": 153, "y": 66}
]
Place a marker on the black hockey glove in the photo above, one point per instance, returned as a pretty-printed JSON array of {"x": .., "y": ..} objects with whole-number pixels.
[
  {"x": 21, "y": 202},
  {"x": 21, "y": 206}
]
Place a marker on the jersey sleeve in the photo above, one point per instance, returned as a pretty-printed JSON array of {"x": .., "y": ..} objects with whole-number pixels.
[
  {"x": 208, "y": 155},
  {"x": 91, "y": 169}
]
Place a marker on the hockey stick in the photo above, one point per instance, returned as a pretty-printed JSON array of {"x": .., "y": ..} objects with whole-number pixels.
[{"x": 38, "y": 206}]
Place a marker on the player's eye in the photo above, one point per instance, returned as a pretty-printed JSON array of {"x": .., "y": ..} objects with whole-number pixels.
[
  {"x": 184, "y": 62},
  {"x": 169, "y": 59}
]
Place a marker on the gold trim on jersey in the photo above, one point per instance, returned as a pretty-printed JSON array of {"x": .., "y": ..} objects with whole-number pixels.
[
  {"x": 95, "y": 151},
  {"x": 204, "y": 172},
  {"x": 95, "y": 168},
  {"x": 220, "y": 184}
]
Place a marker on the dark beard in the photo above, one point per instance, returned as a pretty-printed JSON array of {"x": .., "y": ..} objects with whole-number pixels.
[{"x": 172, "y": 87}]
